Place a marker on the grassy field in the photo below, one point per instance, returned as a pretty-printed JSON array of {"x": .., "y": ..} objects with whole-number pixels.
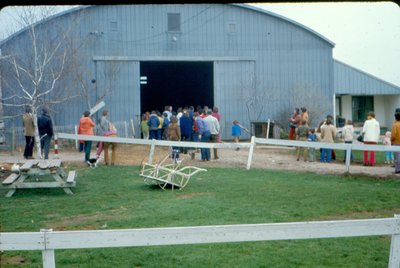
[{"x": 116, "y": 197}]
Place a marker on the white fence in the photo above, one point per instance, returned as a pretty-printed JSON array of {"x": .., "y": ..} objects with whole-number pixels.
[
  {"x": 48, "y": 241},
  {"x": 253, "y": 143}
]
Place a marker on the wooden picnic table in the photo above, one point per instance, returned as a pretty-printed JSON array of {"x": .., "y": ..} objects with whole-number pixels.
[{"x": 40, "y": 174}]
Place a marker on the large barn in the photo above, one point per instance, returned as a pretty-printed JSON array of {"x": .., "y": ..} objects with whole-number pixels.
[{"x": 250, "y": 63}]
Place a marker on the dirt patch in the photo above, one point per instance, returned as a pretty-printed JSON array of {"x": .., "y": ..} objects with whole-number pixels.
[
  {"x": 13, "y": 260},
  {"x": 80, "y": 220}
]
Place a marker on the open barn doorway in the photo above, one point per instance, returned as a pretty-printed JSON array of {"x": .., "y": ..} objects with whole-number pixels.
[{"x": 176, "y": 83}]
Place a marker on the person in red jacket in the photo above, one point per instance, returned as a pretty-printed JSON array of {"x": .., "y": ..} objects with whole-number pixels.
[{"x": 86, "y": 126}]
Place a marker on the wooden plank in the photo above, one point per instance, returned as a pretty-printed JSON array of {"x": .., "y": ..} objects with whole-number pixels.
[
  {"x": 27, "y": 165},
  {"x": 44, "y": 164},
  {"x": 394, "y": 257},
  {"x": 71, "y": 176},
  {"x": 219, "y": 234},
  {"x": 22, "y": 241},
  {"x": 10, "y": 179},
  {"x": 41, "y": 184},
  {"x": 55, "y": 163}
]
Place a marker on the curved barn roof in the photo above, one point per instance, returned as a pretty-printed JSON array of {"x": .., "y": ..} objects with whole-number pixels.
[{"x": 246, "y": 6}]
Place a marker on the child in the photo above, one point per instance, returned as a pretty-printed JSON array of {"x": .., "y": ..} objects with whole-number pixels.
[
  {"x": 312, "y": 137},
  {"x": 302, "y": 135},
  {"x": 236, "y": 132},
  {"x": 145, "y": 127},
  {"x": 387, "y": 141},
  {"x": 348, "y": 135}
]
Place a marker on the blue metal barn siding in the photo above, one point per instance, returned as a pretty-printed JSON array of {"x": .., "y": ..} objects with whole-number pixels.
[
  {"x": 349, "y": 80},
  {"x": 244, "y": 44}
]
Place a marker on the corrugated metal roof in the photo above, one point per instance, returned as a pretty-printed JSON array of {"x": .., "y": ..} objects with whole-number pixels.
[
  {"x": 350, "y": 80},
  {"x": 238, "y": 5},
  {"x": 286, "y": 19}
]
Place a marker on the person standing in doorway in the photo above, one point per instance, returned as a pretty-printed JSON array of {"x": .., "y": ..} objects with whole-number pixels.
[
  {"x": 29, "y": 132},
  {"x": 45, "y": 127},
  {"x": 144, "y": 127},
  {"x": 153, "y": 123}
]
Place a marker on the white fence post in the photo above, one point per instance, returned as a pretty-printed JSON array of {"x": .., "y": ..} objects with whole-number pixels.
[
  {"x": 151, "y": 155},
  {"x": 394, "y": 258},
  {"x": 76, "y": 140},
  {"x": 133, "y": 129},
  {"x": 348, "y": 157},
  {"x": 126, "y": 129},
  {"x": 268, "y": 124},
  {"x": 48, "y": 257},
  {"x": 252, "y": 144}
]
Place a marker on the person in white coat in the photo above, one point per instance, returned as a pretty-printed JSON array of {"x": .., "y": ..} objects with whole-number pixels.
[{"x": 371, "y": 132}]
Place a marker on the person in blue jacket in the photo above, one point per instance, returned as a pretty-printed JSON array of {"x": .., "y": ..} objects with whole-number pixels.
[
  {"x": 153, "y": 124},
  {"x": 236, "y": 132},
  {"x": 186, "y": 126}
]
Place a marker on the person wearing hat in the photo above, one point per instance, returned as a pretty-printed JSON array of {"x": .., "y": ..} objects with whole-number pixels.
[{"x": 45, "y": 127}]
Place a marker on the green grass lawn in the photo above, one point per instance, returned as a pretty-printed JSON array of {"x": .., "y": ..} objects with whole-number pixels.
[{"x": 116, "y": 197}]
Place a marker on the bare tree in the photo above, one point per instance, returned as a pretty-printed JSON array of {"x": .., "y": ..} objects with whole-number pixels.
[
  {"x": 308, "y": 95},
  {"x": 31, "y": 74},
  {"x": 257, "y": 97}
]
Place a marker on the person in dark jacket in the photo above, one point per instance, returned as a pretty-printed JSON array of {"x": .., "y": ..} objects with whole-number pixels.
[
  {"x": 153, "y": 124},
  {"x": 45, "y": 127},
  {"x": 186, "y": 126}
]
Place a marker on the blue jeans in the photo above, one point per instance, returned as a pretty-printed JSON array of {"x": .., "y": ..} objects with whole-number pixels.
[
  {"x": 88, "y": 148},
  {"x": 205, "y": 152},
  {"x": 153, "y": 134},
  {"x": 45, "y": 146},
  {"x": 159, "y": 134},
  {"x": 326, "y": 155},
  {"x": 389, "y": 156}
]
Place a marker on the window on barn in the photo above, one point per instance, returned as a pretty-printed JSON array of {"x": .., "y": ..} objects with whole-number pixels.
[
  {"x": 361, "y": 105},
  {"x": 174, "y": 22},
  {"x": 113, "y": 26}
]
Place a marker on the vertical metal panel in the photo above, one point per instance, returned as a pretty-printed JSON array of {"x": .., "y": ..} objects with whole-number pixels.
[{"x": 232, "y": 79}]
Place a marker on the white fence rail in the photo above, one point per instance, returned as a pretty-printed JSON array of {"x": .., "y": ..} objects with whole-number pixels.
[
  {"x": 253, "y": 143},
  {"x": 47, "y": 241}
]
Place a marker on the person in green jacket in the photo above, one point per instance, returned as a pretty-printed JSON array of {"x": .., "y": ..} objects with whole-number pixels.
[{"x": 144, "y": 128}]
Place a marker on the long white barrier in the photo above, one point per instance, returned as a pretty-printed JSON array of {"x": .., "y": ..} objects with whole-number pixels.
[
  {"x": 47, "y": 241},
  {"x": 253, "y": 143},
  {"x": 348, "y": 147}
]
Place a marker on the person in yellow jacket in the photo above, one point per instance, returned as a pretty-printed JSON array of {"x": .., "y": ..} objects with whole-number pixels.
[{"x": 396, "y": 139}]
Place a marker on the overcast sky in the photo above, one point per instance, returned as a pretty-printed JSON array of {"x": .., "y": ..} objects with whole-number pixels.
[{"x": 366, "y": 34}]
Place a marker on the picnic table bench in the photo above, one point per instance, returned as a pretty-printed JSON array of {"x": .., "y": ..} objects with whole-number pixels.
[{"x": 36, "y": 174}]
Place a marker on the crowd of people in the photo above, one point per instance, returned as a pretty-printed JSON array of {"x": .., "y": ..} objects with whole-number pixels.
[
  {"x": 328, "y": 133},
  {"x": 185, "y": 124},
  {"x": 203, "y": 125}
]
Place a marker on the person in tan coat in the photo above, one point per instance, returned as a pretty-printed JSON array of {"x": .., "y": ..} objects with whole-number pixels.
[
  {"x": 328, "y": 135},
  {"x": 174, "y": 134},
  {"x": 29, "y": 132}
]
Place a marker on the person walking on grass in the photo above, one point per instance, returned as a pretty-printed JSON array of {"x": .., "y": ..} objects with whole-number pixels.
[
  {"x": 29, "y": 132},
  {"x": 45, "y": 127},
  {"x": 302, "y": 135},
  {"x": 86, "y": 126},
  {"x": 371, "y": 131},
  {"x": 396, "y": 139},
  {"x": 328, "y": 134}
]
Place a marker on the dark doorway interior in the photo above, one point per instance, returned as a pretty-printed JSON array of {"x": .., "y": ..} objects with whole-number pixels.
[{"x": 177, "y": 83}]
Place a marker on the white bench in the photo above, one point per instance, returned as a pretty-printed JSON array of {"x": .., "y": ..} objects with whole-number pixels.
[
  {"x": 10, "y": 179},
  {"x": 71, "y": 176}
]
